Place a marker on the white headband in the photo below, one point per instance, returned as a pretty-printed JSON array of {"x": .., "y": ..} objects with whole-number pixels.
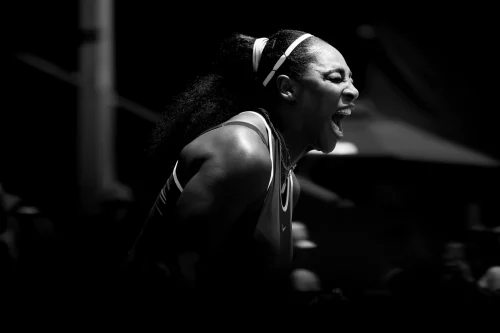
[
  {"x": 258, "y": 47},
  {"x": 282, "y": 59}
]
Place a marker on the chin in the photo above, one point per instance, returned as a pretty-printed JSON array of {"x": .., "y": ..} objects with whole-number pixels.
[{"x": 328, "y": 148}]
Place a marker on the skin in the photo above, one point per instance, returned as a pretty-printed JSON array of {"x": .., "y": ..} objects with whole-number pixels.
[
  {"x": 309, "y": 104},
  {"x": 225, "y": 172}
]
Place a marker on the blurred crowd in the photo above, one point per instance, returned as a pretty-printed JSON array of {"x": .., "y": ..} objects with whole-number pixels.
[{"x": 42, "y": 261}]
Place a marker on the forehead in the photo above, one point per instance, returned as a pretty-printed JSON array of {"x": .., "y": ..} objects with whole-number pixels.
[{"x": 327, "y": 58}]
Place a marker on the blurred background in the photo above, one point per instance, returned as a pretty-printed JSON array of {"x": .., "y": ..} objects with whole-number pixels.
[{"x": 411, "y": 191}]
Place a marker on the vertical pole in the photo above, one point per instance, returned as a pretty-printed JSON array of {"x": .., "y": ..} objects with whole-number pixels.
[{"x": 97, "y": 178}]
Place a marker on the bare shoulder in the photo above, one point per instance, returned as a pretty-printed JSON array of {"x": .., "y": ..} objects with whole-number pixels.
[
  {"x": 231, "y": 176},
  {"x": 229, "y": 142},
  {"x": 228, "y": 152},
  {"x": 241, "y": 151},
  {"x": 255, "y": 119}
]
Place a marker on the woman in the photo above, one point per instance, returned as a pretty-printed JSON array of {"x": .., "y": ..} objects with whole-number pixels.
[{"x": 219, "y": 232}]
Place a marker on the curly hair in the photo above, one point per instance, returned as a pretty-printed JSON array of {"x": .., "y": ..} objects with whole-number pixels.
[{"x": 231, "y": 86}]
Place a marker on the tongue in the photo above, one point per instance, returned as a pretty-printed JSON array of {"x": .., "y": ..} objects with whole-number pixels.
[
  {"x": 335, "y": 126},
  {"x": 336, "y": 121}
]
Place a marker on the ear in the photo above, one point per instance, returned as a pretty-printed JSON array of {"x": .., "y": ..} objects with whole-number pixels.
[{"x": 287, "y": 88}]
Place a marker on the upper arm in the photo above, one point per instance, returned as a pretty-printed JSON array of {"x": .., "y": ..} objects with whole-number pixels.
[{"x": 225, "y": 186}]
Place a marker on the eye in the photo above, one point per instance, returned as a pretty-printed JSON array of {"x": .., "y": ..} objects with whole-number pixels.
[
  {"x": 336, "y": 79},
  {"x": 340, "y": 79}
]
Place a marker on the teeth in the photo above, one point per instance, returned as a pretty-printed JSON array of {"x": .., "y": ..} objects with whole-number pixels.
[{"x": 345, "y": 112}]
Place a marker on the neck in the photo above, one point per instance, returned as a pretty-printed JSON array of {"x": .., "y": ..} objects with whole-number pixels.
[
  {"x": 296, "y": 149},
  {"x": 288, "y": 129}
]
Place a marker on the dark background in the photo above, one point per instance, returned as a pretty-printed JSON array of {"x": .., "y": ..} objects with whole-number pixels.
[{"x": 160, "y": 47}]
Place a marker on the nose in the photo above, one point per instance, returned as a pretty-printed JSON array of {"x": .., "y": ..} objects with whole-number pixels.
[{"x": 350, "y": 93}]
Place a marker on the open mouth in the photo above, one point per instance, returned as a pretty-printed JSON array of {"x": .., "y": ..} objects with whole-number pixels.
[{"x": 338, "y": 117}]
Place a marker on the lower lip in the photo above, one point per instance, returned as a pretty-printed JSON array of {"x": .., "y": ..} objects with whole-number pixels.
[{"x": 336, "y": 129}]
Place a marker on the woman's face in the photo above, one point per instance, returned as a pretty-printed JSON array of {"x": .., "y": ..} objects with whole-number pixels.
[{"x": 325, "y": 97}]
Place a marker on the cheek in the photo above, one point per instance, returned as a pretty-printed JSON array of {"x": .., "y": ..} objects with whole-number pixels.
[
  {"x": 316, "y": 116},
  {"x": 330, "y": 100},
  {"x": 318, "y": 105},
  {"x": 325, "y": 108},
  {"x": 315, "y": 105},
  {"x": 326, "y": 100},
  {"x": 308, "y": 103}
]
